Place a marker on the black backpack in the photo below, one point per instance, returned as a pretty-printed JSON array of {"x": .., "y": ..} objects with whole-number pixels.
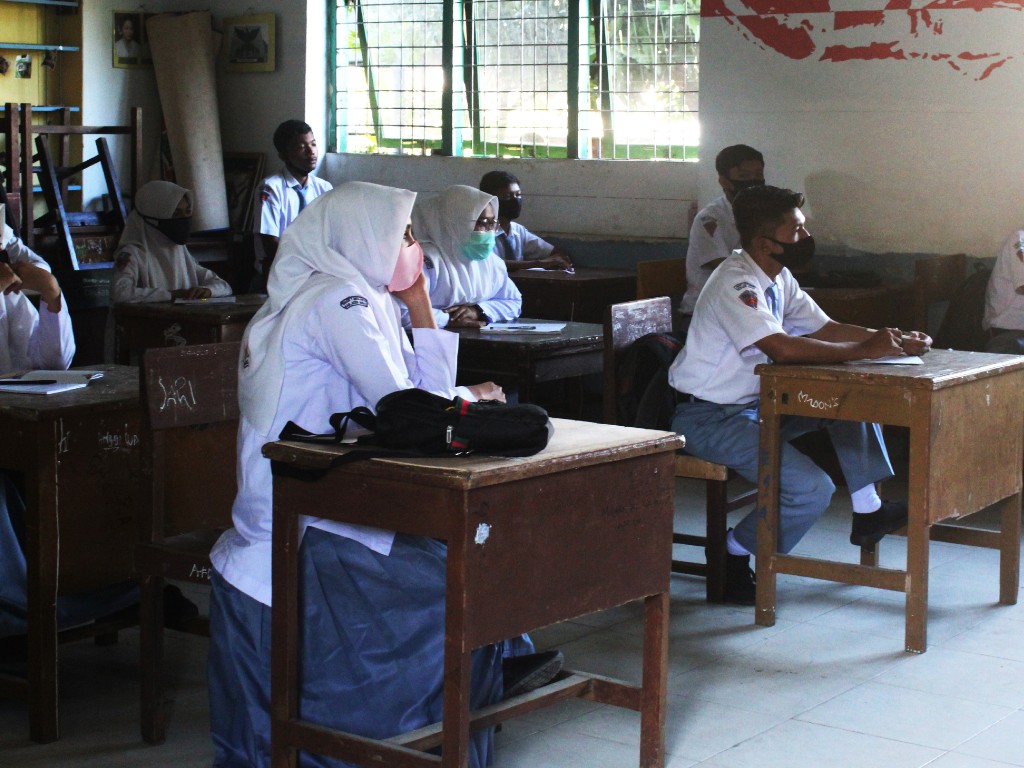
[{"x": 643, "y": 397}]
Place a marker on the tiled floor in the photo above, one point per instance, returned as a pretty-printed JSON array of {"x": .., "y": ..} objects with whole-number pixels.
[{"x": 827, "y": 686}]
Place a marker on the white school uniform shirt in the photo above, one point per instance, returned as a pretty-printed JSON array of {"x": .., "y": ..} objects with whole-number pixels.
[
  {"x": 147, "y": 264},
  {"x": 279, "y": 205},
  {"x": 520, "y": 244},
  {"x": 31, "y": 338},
  {"x": 1004, "y": 307},
  {"x": 441, "y": 224},
  {"x": 712, "y": 236},
  {"x": 327, "y": 340},
  {"x": 732, "y": 315}
]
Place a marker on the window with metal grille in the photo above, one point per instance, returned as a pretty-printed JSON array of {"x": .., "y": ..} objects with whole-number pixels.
[{"x": 503, "y": 78}]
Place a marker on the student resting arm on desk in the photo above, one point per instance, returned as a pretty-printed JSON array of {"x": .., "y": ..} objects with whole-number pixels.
[
  {"x": 329, "y": 339},
  {"x": 752, "y": 311},
  {"x": 469, "y": 285},
  {"x": 152, "y": 262},
  {"x": 518, "y": 246}
]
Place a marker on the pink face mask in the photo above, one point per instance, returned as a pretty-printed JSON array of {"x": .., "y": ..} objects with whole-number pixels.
[{"x": 408, "y": 268}]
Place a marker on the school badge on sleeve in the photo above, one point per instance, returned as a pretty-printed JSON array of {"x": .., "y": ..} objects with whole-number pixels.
[
  {"x": 749, "y": 298},
  {"x": 354, "y": 301}
]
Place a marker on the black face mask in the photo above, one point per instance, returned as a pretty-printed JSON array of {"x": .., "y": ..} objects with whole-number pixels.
[
  {"x": 511, "y": 208},
  {"x": 794, "y": 255},
  {"x": 738, "y": 185},
  {"x": 175, "y": 230}
]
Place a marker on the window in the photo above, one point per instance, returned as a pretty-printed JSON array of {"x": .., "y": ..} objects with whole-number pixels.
[{"x": 498, "y": 78}]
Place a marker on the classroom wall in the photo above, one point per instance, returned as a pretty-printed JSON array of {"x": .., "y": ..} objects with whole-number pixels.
[
  {"x": 251, "y": 104},
  {"x": 902, "y": 126}
]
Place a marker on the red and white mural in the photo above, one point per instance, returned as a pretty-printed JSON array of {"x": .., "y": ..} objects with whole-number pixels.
[{"x": 889, "y": 30}]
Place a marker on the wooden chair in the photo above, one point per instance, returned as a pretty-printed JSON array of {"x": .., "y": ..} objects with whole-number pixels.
[
  {"x": 936, "y": 278},
  {"x": 660, "y": 277},
  {"x": 190, "y": 398},
  {"x": 624, "y": 324}
]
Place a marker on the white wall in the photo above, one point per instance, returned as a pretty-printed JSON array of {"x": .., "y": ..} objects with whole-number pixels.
[
  {"x": 251, "y": 104},
  {"x": 916, "y": 152}
]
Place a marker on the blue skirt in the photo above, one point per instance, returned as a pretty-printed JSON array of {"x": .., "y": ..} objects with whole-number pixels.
[
  {"x": 72, "y": 610},
  {"x": 372, "y": 642}
]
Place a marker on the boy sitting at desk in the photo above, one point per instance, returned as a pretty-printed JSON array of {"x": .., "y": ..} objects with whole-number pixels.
[
  {"x": 518, "y": 246},
  {"x": 752, "y": 311}
]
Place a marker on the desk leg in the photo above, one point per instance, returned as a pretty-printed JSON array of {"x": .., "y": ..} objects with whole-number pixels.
[
  {"x": 457, "y": 665},
  {"x": 1009, "y": 550},
  {"x": 655, "y": 681},
  {"x": 284, "y": 637},
  {"x": 42, "y": 550},
  {"x": 767, "y": 514}
]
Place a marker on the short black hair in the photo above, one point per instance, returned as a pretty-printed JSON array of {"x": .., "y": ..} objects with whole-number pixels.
[
  {"x": 494, "y": 181},
  {"x": 287, "y": 131},
  {"x": 759, "y": 210},
  {"x": 734, "y": 156}
]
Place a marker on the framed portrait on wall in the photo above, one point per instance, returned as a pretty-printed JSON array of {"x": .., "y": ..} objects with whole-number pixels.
[
  {"x": 243, "y": 172},
  {"x": 130, "y": 46},
  {"x": 249, "y": 43}
]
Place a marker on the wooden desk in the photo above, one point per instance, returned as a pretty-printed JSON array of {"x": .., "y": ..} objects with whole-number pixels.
[
  {"x": 166, "y": 324},
  {"x": 557, "y": 295},
  {"x": 523, "y": 359},
  {"x": 583, "y": 526},
  {"x": 965, "y": 411},
  {"x": 81, "y": 455},
  {"x": 883, "y": 306}
]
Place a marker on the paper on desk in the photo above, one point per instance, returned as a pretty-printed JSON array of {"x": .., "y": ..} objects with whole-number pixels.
[
  {"x": 523, "y": 328},
  {"x": 892, "y": 360},
  {"x": 50, "y": 382},
  {"x": 211, "y": 300}
]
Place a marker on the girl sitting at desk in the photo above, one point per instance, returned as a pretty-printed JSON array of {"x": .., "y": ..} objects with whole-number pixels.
[
  {"x": 329, "y": 339},
  {"x": 469, "y": 284},
  {"x": 152, "y": 262}
]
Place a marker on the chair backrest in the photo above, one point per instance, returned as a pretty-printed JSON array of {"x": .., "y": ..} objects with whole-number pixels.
[
  {"x": 660, "y": 277},
  {"x": 961, "y": 327},
  {"x": 190, "y": 399},
  {"x": 936, "y": 278},
  {"x": 625, "y": 323}
]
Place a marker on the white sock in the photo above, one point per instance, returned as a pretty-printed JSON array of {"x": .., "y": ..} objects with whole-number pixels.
[
  {"x": 866, "y": 500},
  {"x": 734, "y": 547}
]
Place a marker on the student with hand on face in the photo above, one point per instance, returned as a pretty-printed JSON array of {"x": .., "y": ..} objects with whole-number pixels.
[
  {"x": 518, "y": 246},
  {"x": 329, "y": 339},
  {"x": 287, "y": 193},
  {"x": 151, "y": 262},
  {"x": 713, "y": 235},
  {"x": 469, "y": 285},
  {"x": 752, "y": 311}
]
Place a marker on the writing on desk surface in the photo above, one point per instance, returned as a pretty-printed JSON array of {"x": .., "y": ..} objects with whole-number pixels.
[
  {"x": 180, "y": 393},
  {"x": 825, "y": 404},
  {"x": 122, "y": 440}
]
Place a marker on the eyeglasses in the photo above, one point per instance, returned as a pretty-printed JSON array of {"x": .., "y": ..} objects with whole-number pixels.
[{"x": 486, "y": 225}]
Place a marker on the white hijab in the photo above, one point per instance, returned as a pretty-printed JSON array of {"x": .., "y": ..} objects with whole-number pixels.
[
  {"x": 445, "y": 222},
  {"x": 352, "y": 233},
  {"x": 158, "y": 200}
]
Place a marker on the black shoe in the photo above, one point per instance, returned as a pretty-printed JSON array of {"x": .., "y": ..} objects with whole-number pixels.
[
  {"x": 871, "y": 527},
  {"x": 522, "y": 674},
  {"x": 740, "y": 586}
]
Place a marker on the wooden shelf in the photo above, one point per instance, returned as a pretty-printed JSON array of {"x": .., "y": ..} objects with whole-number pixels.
[
  {"x": 39, "y": 47},
  {"x": 63, "y": 3},
  {"x": 50, "y": 108}
]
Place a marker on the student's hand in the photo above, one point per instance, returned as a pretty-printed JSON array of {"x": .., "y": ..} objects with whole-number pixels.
[
  {"x": 417, "y": 300},
  {"x": 885, "y": 342},
  {"x": 37, "y": 279},
  {"x": 557, "y": 260},
  {"x": 916, "y": 343},
  {"x": 487, "y": 391},
  {"x": 465, "y": 316},
  {"x": 9, "y": 282},
  {"x": 192, "y": 293}
]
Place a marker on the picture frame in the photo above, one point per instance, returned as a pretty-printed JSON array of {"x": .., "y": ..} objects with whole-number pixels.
[
  {"x": 243, "y": 172},
  {"x": 129, "y": 46},
  {"x": 249, "y": 43}
]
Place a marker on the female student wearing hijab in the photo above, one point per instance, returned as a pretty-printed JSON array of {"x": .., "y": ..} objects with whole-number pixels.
[
  {"x": 469, "y": 285},
  {"x": 329, "y": 339},
  {"x": 152, "y": 262}
]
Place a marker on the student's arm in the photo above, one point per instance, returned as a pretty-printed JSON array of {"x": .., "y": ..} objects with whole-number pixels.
[
  {"x": 505, "y": 304},
  {"x": 833, "y": 343},
  {"x": 707, "y": 247},
  {"x": 270, "y": 245},
  {"x": 209, "y": 280},
  {"x": 124, "y": 285},
  {"x": 51, "y": 340},
  {"x": 538, "y": 252}
]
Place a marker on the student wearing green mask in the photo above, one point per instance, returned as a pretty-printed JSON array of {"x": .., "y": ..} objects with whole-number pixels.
[{"x": 469, "y": 285}]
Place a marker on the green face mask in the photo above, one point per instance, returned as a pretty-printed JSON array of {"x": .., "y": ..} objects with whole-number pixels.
[{"x": 479, "y": 246}]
